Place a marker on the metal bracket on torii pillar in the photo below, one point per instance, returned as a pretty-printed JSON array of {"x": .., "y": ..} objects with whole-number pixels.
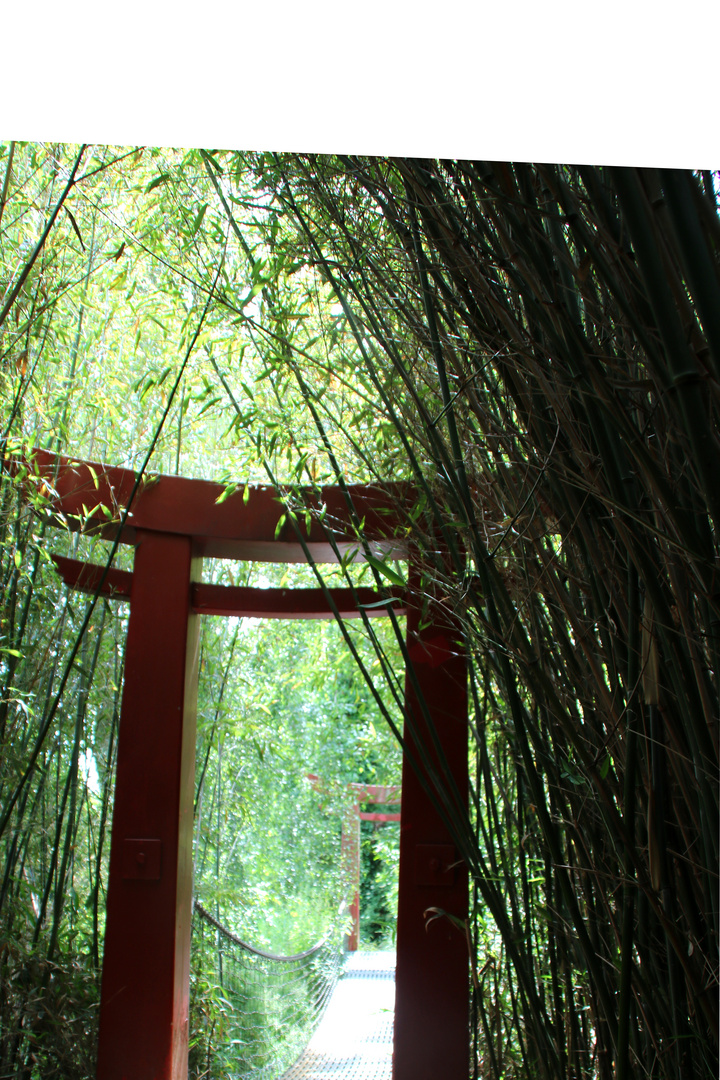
[{"x": 173, "y": 523}]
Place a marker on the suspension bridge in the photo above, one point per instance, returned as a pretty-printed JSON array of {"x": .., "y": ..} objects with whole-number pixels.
[{"x": 317, "y": 1015}]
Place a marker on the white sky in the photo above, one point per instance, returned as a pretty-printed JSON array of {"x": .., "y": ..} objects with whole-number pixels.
[{"x": 601, "y": 82}]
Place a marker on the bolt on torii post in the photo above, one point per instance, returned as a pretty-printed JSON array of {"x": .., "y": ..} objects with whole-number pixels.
[{"x": 174, "y": 523}]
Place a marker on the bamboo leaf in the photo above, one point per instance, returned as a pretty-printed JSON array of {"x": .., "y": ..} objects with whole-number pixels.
[{"x": 385, "y": 570}]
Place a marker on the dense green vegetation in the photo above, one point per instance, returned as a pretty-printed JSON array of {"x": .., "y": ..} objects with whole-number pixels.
[
  {"x": 537, "y": 350},
  {"x": 279, "y": 701}
]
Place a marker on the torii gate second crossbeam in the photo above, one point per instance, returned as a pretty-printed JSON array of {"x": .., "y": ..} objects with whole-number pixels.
[{"x": 173, "y": 523}]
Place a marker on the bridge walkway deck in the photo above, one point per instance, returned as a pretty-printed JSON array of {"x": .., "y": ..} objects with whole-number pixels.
[{"x": 354, "y": 1038}]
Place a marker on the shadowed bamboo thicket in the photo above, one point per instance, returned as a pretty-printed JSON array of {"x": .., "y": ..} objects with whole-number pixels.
[{"x": 544, "y": 345}]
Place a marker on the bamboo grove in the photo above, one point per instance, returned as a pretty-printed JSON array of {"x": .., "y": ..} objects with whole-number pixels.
[
  {"x": 558, "y": 405},
  {"x": 535, "y": 349}
]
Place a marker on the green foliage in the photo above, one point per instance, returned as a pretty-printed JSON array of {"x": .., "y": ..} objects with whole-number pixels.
[
  {"x": 379, "y": 859},
  {"x": 293, "y": 704},
  {"x": 55, "y": 1005}
]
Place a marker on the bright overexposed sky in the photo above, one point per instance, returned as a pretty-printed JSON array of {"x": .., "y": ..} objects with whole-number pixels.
[{"x": 605, "y": 82}]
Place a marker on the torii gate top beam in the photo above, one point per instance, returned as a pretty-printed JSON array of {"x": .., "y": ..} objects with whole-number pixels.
[{"x": 92, "y": 496}]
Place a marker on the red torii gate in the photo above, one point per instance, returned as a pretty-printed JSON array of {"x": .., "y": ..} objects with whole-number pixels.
[
  {"x": 388, "y": 795},
  {"x": 173, "y": 523}
]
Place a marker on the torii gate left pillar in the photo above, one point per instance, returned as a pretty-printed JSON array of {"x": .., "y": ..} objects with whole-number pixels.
[{"x": 150, "y": 895}]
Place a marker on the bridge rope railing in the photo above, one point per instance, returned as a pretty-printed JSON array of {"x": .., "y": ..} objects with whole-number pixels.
[{"x": 254, "y": 1011}]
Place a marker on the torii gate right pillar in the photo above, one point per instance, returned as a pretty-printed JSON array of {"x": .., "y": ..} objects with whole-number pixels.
[{"x": 431, "y": 1037}]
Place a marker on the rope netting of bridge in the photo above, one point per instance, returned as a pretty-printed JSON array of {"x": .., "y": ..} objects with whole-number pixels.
[{"x": 253, "y": 1012}]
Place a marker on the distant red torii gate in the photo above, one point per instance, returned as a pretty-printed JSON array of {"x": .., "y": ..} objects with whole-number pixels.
[
  {"x": 174, "y": 522},
  {"x": 388, "y": 795}
]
